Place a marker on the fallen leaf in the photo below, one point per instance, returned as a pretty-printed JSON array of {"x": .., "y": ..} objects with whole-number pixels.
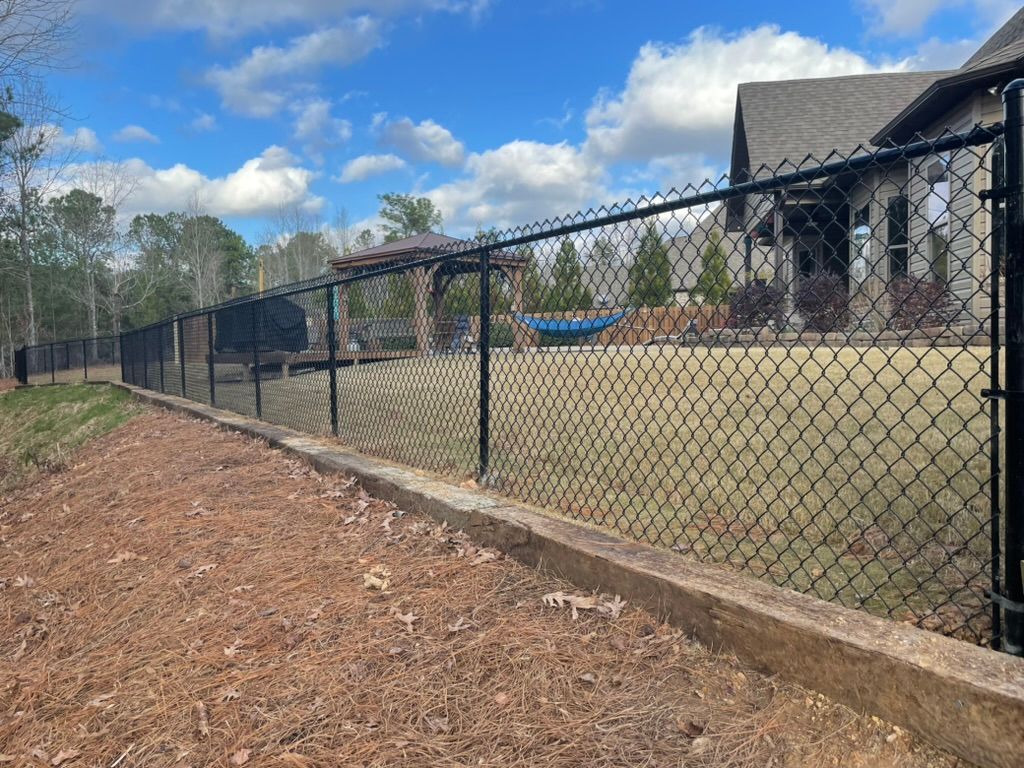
[
  {"x": 225, "y": 695},
  {"x": 233, "y": 650},
  {"x": 242, "y": 588},
  {"x": 295, "y": 759},
  {"x": 202, "y": 570},
  {"x": 241, "y": 757},
  {"x": 612, "y": 608},
  {"x": 203, "y": 718},
  {"x": 589, "y": 678},
  {"x": 377, "y": 578},
  {"x": 7, "y": 758},
  {"x": 688, "y": 727},
  {"x": 406, "y": 618},
  {"x": 484, "y": 556},
  {"x": 24, "y": 581},
  {"x": 460, "y": 625},
  {"x": 699, "y": 745},
  {"x": 437, "y": 724},
  {"x": 501, "y": 699},
  {"x": 99, "y": 701},
  {"x": 64, "y": 755},
  {"x": 576, "y": 602},
  {"x": 123, "y": 557}
]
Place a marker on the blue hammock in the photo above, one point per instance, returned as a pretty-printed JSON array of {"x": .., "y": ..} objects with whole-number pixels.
[{"x": 570, "y": 329}]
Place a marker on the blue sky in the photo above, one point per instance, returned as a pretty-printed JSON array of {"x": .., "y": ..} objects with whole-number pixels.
[{"x": 502, "y": 112}]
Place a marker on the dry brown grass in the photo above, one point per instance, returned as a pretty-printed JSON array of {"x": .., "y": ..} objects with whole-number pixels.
[{"x": 184, "y": 596}]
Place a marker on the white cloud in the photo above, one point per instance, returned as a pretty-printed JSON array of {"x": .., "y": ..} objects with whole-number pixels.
[
  {"x": 203, "y": 123},
  {"x": 237, "y": 17},
  {"x": 681, "y": 98},
  {"x": 365, "y": 166},
  {"x": 131, "y": 133},
  {"x": 259, "y": 187},
  {"x": 82, "y": 139},
  {"x": 517, "y": 183},
  {"x": 425, "y": 141},
  {"x": 317, "y": 130},
  {"x": 901, "y": 18},
  {"x": 259, "y": 84}
]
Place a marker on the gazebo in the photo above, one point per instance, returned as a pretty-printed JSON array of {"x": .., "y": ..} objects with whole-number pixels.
[{"x": 431, "y": 282}]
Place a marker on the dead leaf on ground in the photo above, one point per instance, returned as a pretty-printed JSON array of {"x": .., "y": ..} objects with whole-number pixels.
[
  {"x": 377, "y": 578},
  {"x": 124, "y": 557},
  {"x": 690, "y": 727},
  {"x": 408, "y": 619},
  {"x": 437, "y": 724},
  {"x": 64, "y": 755},
  {"x": 576, "y": 602},
  {"x": 101, "y": 700},
  {"x": 202, "y": 570},
  {"x": 225, "y": 695},
  {"x": 24, "y": 581},
  {"x": 484, "y": 556},
  {"x": 203, "y": 719},
  {"x": 241, "y": 757},
  {"x": 233, "y": 650},
  {"x": 460, "y": 624}
]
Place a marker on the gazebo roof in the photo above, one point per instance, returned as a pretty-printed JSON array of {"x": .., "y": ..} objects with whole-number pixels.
[{"x": 409, "y": 248}]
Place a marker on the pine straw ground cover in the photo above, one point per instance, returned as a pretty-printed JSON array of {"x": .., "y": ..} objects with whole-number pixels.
[{"x": 183, "y": 596}]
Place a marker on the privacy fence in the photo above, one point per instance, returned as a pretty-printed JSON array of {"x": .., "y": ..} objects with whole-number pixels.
[{"x": 798, "y": 374}]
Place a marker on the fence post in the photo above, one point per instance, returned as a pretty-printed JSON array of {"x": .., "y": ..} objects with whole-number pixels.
[
  {"x": 181, "y": 353},
  {"x": 120, "y": 343},
  {"x": 21, "y": 365},
  {"x": 145, "y": 361},
  {"x": 485, "y": 363},
  {"x": 209, "y": 357},
  {"x": 332, "y": 358},
  {"x": 1012, "y": 599},
  {"x": 256, "y": 362},
  {"x": 53, "y": 366},
  {"x": 67, "y": 357},
  {"x": 85, "y": 361},
  {"x": 160, "y": 351}
]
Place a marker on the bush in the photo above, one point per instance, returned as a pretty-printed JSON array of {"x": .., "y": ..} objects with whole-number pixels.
[
  {"x": 919, "y": 303},
  {"x": 755, "y": 305},
  {"x": 502, "y": 335},
  {"x": 823, "y": 302}
]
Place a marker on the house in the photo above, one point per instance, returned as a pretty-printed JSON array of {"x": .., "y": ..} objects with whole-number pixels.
[{"x": 908, "y": 218}]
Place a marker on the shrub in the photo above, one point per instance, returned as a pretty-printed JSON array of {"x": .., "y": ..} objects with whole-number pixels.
[
  {"x": 823, "y": 302},
  {"x": 919, "y": 303},
  {"x": 755, "y": 305}
]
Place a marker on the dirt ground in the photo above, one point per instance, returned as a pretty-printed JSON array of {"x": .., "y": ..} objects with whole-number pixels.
[
  {"x": 183, "y": 596},
  {"x": 7, "y": 385}
]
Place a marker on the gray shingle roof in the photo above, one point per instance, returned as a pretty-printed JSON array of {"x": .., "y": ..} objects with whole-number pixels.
[
  {"x": 789, "y": 119},
  {"x": 423, "y": 242},
  {"x": 989, "y": 53}
]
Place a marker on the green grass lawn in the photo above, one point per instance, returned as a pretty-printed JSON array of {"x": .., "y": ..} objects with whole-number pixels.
[
  {"x": 858, "y": 475},
  {"x": 40, "y": 427}
]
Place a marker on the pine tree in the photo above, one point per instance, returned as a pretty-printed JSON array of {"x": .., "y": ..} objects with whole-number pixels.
[
  {"x": 567, "y": 289},
  {"x": 715, "y": 282},
  {"x": 650, "y": 276}
]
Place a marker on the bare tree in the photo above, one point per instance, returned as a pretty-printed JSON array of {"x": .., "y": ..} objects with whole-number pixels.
[
  {"x": 34, "y": 160},
  {"x": 200, "y": 254},
  {"x": 33, "y": 35},
  {"x": 293, "y": 246}
]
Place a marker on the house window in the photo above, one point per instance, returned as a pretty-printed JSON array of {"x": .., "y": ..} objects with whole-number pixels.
[
  {"x": 897, "y": 214},
  {"x": 937, "y": 174},
  {"x": 808, "y": 261}
]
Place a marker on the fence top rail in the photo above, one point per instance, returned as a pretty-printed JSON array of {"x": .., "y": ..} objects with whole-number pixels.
[
  {"x": 809, "y": 169},
  {"x": 48, "y": 344}
]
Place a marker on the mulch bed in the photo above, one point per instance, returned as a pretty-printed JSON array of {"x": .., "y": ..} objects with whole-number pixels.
[{"x": 183, "y": 596}]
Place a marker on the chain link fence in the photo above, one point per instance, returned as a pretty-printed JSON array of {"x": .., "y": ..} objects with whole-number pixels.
[{"x": 797, "y": 374}]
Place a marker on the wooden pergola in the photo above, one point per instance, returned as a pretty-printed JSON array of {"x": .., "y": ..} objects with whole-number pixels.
[{"x": 430, "y": 283}]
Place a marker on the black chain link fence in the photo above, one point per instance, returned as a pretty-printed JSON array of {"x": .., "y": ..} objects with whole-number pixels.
[
  {"x": 784, "y": 374},
  {"x": 64, "y": 362}
]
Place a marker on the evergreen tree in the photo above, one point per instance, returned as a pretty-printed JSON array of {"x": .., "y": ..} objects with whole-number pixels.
[
  {"x": 715, "y": 282},
  {"x": 568, "y": 291},
  {"x": 650, "y": 276}
]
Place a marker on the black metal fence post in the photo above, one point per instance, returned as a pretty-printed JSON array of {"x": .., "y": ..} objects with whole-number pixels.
[
  {"x": 145, "y": 361},
  {"x": 181, "y": 353},
  {"x": 67, "y": 356},
  {"x": 1012, "y": 599},
  {"x": 332, "y": 357},
  {"x": 85, "y": 361},
  {"x": 21, "y": 365},
  {"x": 209, "y": 357},
  {"x": 53, "y": 367},
  {"x": 256, "y": 361},
  {"x": 485, "y": 362},
  {"x": 160, "y": 353},
  {"x": 120, "y": 343}
]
